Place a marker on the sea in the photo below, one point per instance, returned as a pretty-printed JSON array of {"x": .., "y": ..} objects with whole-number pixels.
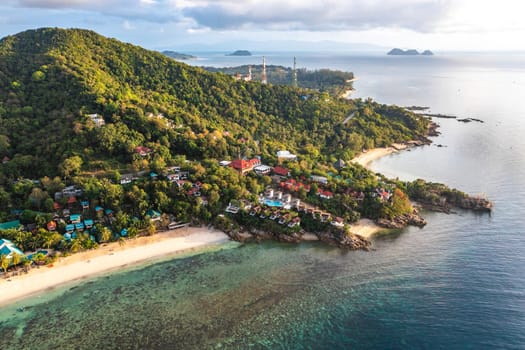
[{"x": 457, "y": 283}]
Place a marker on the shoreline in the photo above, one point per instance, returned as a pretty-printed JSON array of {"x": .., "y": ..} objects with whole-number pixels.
[
  {"x": 107, "y": 258},
  {"x": 365, "y": 228},
  {"x": 366, "y": 158}
]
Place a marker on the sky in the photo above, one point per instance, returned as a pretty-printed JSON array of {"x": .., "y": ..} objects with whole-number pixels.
[{"x": 439, "y": 25}]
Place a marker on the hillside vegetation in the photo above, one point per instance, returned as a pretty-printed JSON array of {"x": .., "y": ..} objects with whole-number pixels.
[{"x": 50, "y": 79}]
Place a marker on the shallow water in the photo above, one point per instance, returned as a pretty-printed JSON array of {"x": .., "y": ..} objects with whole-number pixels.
[{"x": 456, "y": 284}]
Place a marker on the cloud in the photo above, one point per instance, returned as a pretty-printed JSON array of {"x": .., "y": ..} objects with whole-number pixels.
[{"x": 318, "y": 15}]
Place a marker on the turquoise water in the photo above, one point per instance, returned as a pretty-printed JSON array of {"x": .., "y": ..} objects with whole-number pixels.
[
  {"x": 273, "y": 203},
  {"x": 458, "y": 283}
]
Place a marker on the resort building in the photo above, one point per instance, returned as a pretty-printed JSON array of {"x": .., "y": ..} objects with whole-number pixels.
[
  {"x": 8, "y": 249},
  {"x": 243, "y": 166},
  {"x": 286, "y": 155}
]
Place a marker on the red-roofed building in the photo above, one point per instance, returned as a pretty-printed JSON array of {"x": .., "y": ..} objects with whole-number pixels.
[
  {"x": 243, "y": 166},
  {"x": 326, "y": 194},
  {"x": 142, "y": 151},
  {"x": 57, "y": 206},
  {"x": 278, "y": 170},
  {"x": 71, "y": 200},
  {"x": 51, "y": 226}
]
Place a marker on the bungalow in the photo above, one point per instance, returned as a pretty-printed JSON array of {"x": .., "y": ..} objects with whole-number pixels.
[
  {"x": 286, "y": 155},
  {"x": 338, "y": 222},
  {"x": 176, "y": 225},
  {"x": 88, "y": 224},
  {"x": 153, "y": 175},
  {"x": 339, "y": 164},
  {"x": 326, "y": 194},
  {"x": 173, "y": 177},
  {"x": 71, "y": 200},
  {"x": 143, "y": 151},
  {"x": 320, "y": 179},
  {"x": 295, "y": 222},
  {"x": 283, "y": 172},
  {"x": 126, "y": 179},
  {"x": 97, "y": 119},
  {"x": 108, "y": 212},
  {"x": 75, "y": 218},
  {"x": 51, "y": 226},
  {"x": 262, "y": 169},
  {"x": 269, "y": 193},
  {"x": 70, "y": 191},
  {"x": 84, "y": 204},
  {"x": 153, "y": 215},
  {"x": 70, "y": 228},
  {"x": 124, "y": 232},
  {"x": 232, "y": 209},
  {"x": 79, "y": 226},
  {"x": 243, "y": 166},
  {"x": 194, "y": 191},
  {"x": 9, "y": 249},
  {"x": 224, "y": 162}
]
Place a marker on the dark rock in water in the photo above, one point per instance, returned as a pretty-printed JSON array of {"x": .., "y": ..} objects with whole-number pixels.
[
  {"x": 344, "y": 240},
  {"x": 427, "y": 53}
]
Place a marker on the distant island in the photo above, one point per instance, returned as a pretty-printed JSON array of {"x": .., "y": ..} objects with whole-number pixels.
[
  {"x": 178, "y": 55},
  {"x": 240, "y": 53},
  {"x": 411, "y": 52}
]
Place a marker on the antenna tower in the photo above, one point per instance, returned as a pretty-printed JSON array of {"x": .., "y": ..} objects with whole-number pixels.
[
  {"x": 294, "y": 73},
  {"x": 264, "y": 79}
]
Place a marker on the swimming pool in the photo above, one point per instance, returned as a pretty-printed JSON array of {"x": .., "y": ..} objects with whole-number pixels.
[{"x": 272, "y": 203}]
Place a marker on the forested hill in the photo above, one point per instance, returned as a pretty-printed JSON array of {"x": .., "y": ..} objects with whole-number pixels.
[{"x": 51, "y": 80}]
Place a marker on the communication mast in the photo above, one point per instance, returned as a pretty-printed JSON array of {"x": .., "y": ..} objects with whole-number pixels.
[
  {"x": 264, "y": 79},
  {"x": 294, "y": 73}
]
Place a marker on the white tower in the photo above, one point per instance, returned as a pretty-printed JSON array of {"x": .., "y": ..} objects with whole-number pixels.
[{"x": 264, "y": 80}]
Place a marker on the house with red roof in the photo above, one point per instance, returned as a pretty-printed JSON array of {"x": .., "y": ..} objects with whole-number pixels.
[
  {"x": 142, "y": 151},
  {"x": 244, "y": 165},
  {"x": 281, "y": 171}
]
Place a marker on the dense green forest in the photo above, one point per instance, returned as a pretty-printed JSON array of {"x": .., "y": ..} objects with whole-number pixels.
[{"x": 75, "y": 107}]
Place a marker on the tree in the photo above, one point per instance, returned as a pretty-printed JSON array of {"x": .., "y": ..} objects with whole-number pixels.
[
  {"x": 17, "y": 258},
  {"x": 4, "y": 262},
  {"x": 70, "y": 166}
]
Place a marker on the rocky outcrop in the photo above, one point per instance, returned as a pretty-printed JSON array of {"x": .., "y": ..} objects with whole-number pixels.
[
  {"x": 344, "y": 240},
  {"x": 401, "y": 221},
  {"x": 334, "y": 237}
]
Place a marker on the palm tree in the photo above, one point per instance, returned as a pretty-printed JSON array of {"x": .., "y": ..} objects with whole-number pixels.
[
  {"x": 17, "y": 259},
  {"x": 76, "y": 245},
  {"x": 4, "y": 262}
]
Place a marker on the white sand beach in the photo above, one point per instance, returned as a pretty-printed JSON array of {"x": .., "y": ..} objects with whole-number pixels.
[
  {"x": 106, "y": 258},
  {"x": 369, "y": 156},
  {"x": 365, "y": 228}
]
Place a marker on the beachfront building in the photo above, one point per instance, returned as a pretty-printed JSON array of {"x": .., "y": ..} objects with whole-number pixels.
[{"x": 9, "y": 249}]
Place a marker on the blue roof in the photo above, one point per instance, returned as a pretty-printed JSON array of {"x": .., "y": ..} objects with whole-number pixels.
[
  {"x": 74, "y": 217},
  {"x": 124, "y": 232},
  {"x": 67, "y": 236},
  {"x": 108, "y": 211},
  {"x": 98, "y": 208},
  {"x": 152, "y": 213},
  {"x": 152, "y": 174},
  {"x": 7, "y": 247},
  {"x": 70, "y": 227},
  {"x": 88, "y": 222},
  {"x": 83, "y": 203},
  {"x": 79, "y": 226},
  {"x": 10, "y": 224}
]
